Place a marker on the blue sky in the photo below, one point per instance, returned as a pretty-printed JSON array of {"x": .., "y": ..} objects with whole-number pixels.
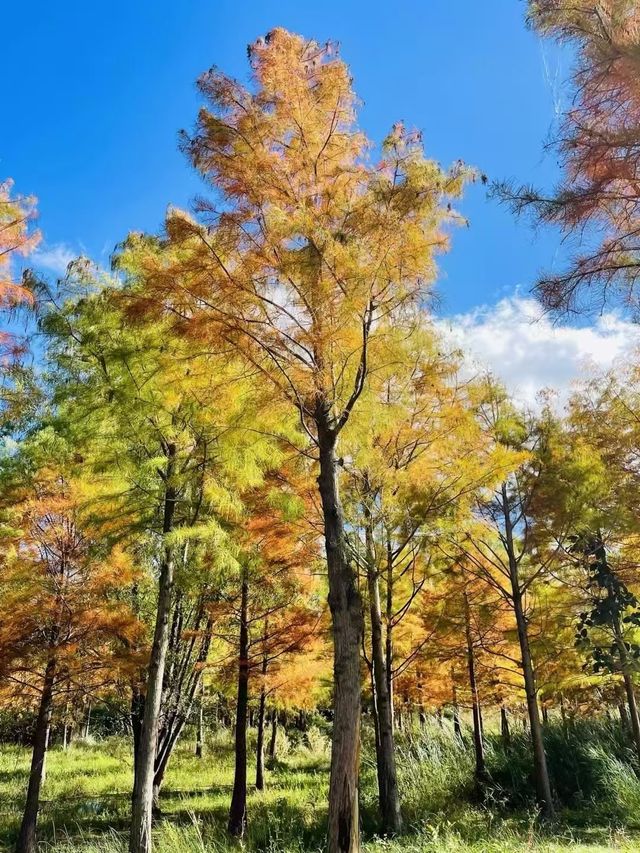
[{"x": 98, "y": 92}]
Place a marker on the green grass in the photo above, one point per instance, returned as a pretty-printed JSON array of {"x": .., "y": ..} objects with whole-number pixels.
[{"x": 86, "y": 799}]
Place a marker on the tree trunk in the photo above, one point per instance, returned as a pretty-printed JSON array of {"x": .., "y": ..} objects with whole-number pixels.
[
  {"x": 343, "y": 834},
  {"x": 504, "y": 727},
  {"x": 624, "y": 717},
  {"x": 87, "y": 722},
  {"x": 376, "y": 724},
  {"x": 478, "y": 743},
  {"x": 142, "y": 811},
  {"x": 261, "y": 713},
  {"x": 387, "y": 777},
  {"x": 541, "y": 773},
  {"x": 200, "y": 725},
  {"x": 628, "y": 686},
  {"x": 274, "y": 735},
  {"x": 238, "y": 810},
  {"x": 27, "y": 842},
  {"x": 457, "y": 728},
  {"x": 388, "y": 652}
]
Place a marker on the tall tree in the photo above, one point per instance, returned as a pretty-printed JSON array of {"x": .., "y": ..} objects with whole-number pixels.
[
  {"x": 415, "y": 456},
  {"x": 310, "y": 254},
  {"x": 504, "y": 548}
]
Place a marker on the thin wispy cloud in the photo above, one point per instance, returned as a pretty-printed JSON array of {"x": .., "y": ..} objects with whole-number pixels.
[{"x": 54, "y": 258}]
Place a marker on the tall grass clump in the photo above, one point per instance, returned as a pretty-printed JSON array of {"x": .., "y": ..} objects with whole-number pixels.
[
  {"x": 435, "y": 769},
  {"x": 591, "y": 765}
]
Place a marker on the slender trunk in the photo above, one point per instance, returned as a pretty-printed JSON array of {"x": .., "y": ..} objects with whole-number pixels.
[
  {"x": 137, "y": 713},
  {"x": 563, "y": 712},
  {"x": 274, "y": 735},
  {"x": 346, "y": 611},
  {"x": 374, "y": 714},
  {"x": 200, "y": 725},
  {"x": 238, "y": 810},
  {"x": 478, "y": 743},
  {"x": 162, "y": 761},
  {"x": 87, "y": 722},
  {"x": 628, "y": 686},
  {"x": 541, "y": 773},
  {"x": 180, "y": 695},
  {"x": 545, "y": 715},
  {"x": 504, "y": 727},
  {"x": 142, "y": 811},
  {"x": 27, "y": 842},
  {"x": 388, "y": 652},
  {"x": 624, "y": 717},
  {"x": 457, "y": 728},
  {"x": 389, "y": 798},
  {"x": 376, "y": 732},
  {"x": 540, "y": 770},
  {"x": 261, "y": 714}
]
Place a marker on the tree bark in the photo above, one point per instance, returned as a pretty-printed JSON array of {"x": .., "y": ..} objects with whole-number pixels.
[
  {"x": 504, "y": 727},
  {"x": 27, "y": 842},
  {"x": 478, "y": 743},
  {"x": 457, "y": 728},
  {"x": 343, "y": 834},
  {"x": 540, "y": 770},
  {"x": 628, "y": 686},
  {"x": 274, "y": 735},
  {"x": 200, "y": 725},
  {"x": 179, "y": 695},
  {"x": 261, "y": 717},
  {"x": 388, "y": 795},
  {"x": 388, "y": 652},
  {"x": 238, "y": 811},
  {"x": 142, "y": 811},
  {"x": 541, "y": 773}
]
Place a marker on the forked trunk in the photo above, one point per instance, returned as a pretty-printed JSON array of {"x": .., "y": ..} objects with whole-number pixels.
[
  {"x": 238, "y": 810},
  {"x": 142, "y": 811},
  {"x": 346, "y": 611},
  {"x": 27, "y": 842},
  {"x": 389, "y": 798}
]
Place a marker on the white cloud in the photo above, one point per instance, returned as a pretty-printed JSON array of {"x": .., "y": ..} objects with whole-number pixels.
[
  {"x": 54, "y": 258},
  {"x": 524, "y": 349}
]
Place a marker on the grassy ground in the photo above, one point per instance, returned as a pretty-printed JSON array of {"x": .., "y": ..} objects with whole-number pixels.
[{"x": 86, "y": 805}]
